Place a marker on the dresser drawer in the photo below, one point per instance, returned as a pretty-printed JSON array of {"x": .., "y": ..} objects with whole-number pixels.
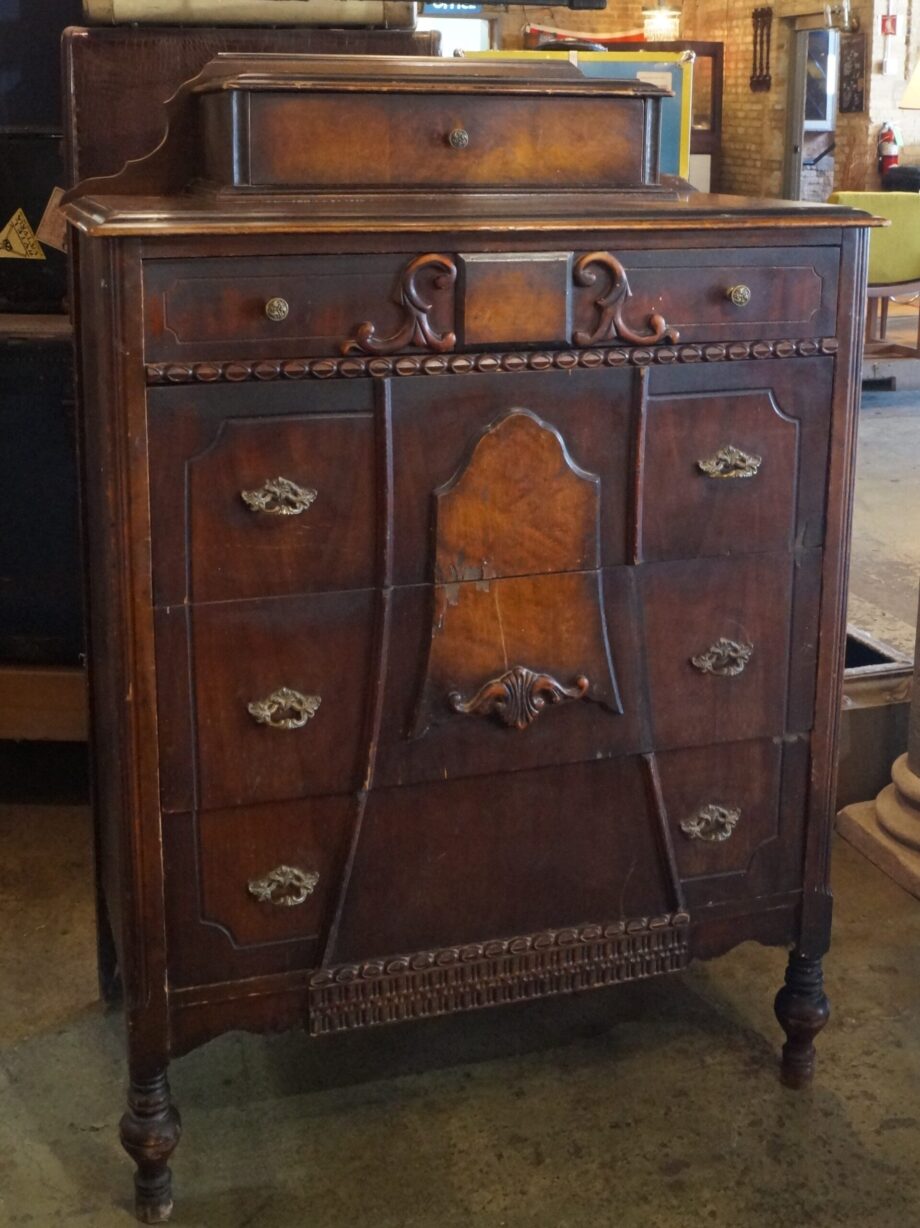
[
  {"x": 261, "y": 492},
  {"x": 264, "y": 701},
  {"x": 732, "y": 294},
  {"x": 504, "y": 855},
  {"x": 717, "y": 643},
  {"x": 262, "y": 307},
  {"x": 736, "y": 815},
  {"x": 437, "y": 140},
  {"x": 740, "y": 467},
  {"x": 486, "y": 678},
  {"x": 250, "y": 890}
]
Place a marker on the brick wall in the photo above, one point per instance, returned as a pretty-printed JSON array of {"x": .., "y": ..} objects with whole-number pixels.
[{"x": 754, "y": 125}]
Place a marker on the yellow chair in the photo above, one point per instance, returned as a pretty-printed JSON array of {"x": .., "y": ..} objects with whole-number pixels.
[{"x": 894, "y": 251}]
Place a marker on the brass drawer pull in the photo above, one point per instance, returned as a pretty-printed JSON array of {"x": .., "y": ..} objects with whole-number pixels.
[
  {"x": 285, "y": 886},
  {"x": 730, "y": 462},
  {"x": 277, "y": 309},
  {"x": 458, "y": 138},
  {"x": 727, "y": 658},
  {"x": 279, "y": 497},
  {"x": 711, "y": 823},
  {"x": 285, "y": 709},
  {"x": 739, "y": 295},
  {"x": 518, "y": 697}
]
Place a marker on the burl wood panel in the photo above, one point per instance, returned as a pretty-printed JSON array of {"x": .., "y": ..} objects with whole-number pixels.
[
  {"x": 424, "y": 738},
  {"x": 402, "y": 141},
  {"x": 217, "y": 930},
  {"x": 435, "y": 421},
  {"x": 208, "y": 308},
  {"x": 769, "y": 502},
  {"x": 519, "y": 505},
  {"x": 243, "y": 652},
  {"x": 520, "y": 298},
  {"x": 213, "y": 545},
  {"x": 454, "y": 862}
]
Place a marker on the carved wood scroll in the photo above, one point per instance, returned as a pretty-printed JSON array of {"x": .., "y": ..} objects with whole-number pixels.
[
  {"x": 518, "y": 697},
  {"x": 611, "y": 326},
  {"x": 416, "y": 329}
]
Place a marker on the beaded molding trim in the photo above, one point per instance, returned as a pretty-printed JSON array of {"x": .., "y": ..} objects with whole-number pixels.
[
  {"x": 265, "y": 370},
  {"x": 482, "y": 974}
]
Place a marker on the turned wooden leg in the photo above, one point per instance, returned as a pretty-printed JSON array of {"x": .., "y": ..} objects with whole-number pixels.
[
  {"x": 802, "y": 1010},
  {"x": 150, "y": 1130}
]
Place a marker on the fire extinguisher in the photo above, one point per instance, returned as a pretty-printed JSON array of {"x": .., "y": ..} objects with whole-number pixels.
[{"x": 889, "y": 146}]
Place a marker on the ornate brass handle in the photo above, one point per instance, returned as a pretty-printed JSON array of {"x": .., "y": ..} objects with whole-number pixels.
[
  {"x": 727, "y": 658},
  {"x": 711, "y": 823},
  {"x": 284, "y": 709},
  {"x": 730, "y": 462},
  {"x": 517, "y": 697},
  {"x": 279, "y": 497},
  {"x": 285, "y": 886},
  {"x": 739, "y": 295},
  {"x": 458, "y": 138},
  {"x": 277, "y": 309}
]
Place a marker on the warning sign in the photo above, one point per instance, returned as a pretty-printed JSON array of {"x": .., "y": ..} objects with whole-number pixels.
[{"x": 18, "y": 241}]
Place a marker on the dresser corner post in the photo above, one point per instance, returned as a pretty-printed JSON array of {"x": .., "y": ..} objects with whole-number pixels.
[
  {"x": 802, "y": 1009},
  {"x": 149, "y": 1132}
]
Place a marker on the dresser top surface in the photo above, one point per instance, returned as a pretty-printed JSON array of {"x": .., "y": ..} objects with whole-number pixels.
[
  {"x": 409, "y": 74},
  {"x": 462, "y": 212}
]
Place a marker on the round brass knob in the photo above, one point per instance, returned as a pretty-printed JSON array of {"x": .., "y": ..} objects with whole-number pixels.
[
  {"x": 459, "y": 138},
  {"x": 277, "y": 309},
  {"x": 739, "y": 295}
]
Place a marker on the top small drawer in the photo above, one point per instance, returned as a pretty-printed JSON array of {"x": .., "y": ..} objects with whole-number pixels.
[{"x": 437, "y": 124}]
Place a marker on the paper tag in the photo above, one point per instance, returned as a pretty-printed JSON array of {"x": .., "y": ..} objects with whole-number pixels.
[
  {"x": 52, "y": 229},
  {"x": 18, "y": 241}
]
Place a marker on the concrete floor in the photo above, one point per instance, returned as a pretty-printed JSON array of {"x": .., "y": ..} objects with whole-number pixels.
[
  {"x": 885, "y": 563},
  {"x": 647, "y": 1106}
]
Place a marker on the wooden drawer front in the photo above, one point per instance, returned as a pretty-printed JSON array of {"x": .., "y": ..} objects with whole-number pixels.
[
  {"x": 250, "y": 891},
  {"x": 261, "y": 506},
  {"x": 403, "y": 141},
  {"x": 736, "y": 814},
  {"x": 510, "y": 494},
  {"x": 793, "y": 292},
  {"x": 735, "y": 470},
  {"x": 244, "y": 653},
  {"x": 521, "y": 635},
  {"x": 216, "y": 308},
  {"x": 717, "y": 642},
  {"x": 503, "y": 855}
]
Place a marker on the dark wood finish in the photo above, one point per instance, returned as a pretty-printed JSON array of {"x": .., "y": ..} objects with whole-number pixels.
[
  {"x": 803, "y": 1010},
  {"x": 118, "y": 80},
  {"x": 562, "y": 638},
  {"x": 517, "y": 142}
]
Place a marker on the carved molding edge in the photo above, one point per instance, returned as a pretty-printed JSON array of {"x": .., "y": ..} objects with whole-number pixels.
[
  {"x": 518, "y": 697},
  {"x": 266, "y": 370},
  {"x": 610, "y": 325},
  {"x": 416, "y": 329},
  {"x": 483, "y": 974}
]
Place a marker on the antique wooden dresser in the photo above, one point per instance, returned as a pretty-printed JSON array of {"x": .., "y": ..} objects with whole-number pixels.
[{"x": 467, "y": 516}]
